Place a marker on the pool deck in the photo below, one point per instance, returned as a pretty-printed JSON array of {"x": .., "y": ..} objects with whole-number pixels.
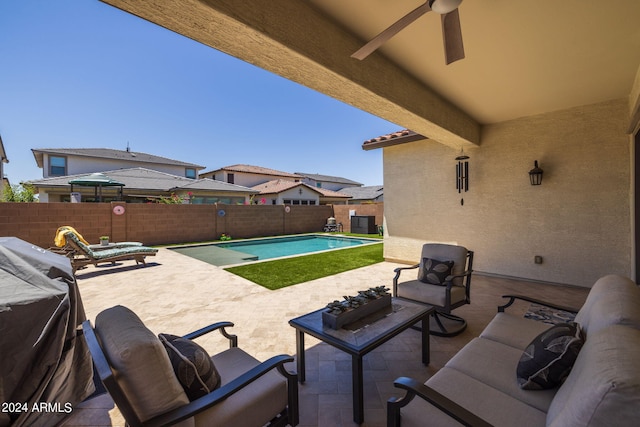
[{"x": 178, "y": 294}]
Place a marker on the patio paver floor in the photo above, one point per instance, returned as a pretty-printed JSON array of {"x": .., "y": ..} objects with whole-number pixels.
[{"x": 177, "y": 294}]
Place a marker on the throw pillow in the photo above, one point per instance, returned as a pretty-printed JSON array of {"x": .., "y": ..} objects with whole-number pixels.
[
  {"x": 547, "y": 361},
  {"x": 192, "y": 365},
  {"x": 435, "y": 272}
]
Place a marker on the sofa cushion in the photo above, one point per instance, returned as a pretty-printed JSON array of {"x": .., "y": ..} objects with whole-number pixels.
[
  {"x": 489, "y": 403},
  {"x": 265, "y": 397},
  {"x": 547, "y": 361},
  {"x": 143, "y": 368},
  {"x": 494, "y": 364},
  {"x": 513, "y": 330},
  {"x": 613, "y": 300},
  {"x": 435, "y": 272},
  {"x": 603, "y": 387},
  {"x": 192, "y": 365}
]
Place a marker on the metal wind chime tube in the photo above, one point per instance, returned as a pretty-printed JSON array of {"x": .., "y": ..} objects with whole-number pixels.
[{"x": 462, "y": 173}]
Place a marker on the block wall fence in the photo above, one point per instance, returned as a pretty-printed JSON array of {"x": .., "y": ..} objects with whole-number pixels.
[{"x": 157, "y": 224}]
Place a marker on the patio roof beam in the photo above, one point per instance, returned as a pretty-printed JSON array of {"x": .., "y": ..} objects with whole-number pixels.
[{"x": 294, "y": 40}]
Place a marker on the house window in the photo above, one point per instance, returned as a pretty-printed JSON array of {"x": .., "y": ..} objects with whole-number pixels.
[
  {"x": 231, "y": 178},
  {"x": 57, "y": 165},
  {"x": 318, "y": 185},
  {"x": 190, "y": 173}
]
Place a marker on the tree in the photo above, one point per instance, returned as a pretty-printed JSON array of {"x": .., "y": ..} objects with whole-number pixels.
[{"x": 18, "y": 193}]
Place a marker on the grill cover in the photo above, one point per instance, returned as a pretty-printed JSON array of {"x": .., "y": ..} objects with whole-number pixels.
[{"x": 45, "y": 365}]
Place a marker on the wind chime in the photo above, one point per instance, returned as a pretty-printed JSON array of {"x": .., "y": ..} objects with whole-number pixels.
[{"x": 462, "y": 173}]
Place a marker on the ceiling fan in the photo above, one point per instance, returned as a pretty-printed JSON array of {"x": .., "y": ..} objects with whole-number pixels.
[{"x": 451, "y": 33}]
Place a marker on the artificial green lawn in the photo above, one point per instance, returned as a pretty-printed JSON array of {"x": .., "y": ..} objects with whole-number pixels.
[{"x": 291, "y": 271}]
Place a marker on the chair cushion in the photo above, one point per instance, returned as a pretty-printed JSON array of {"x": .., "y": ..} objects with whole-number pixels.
[
  {"x": 435, "y": 272},
  {"x": 253, "y": 405},
  {"x": 144, "y": 371},
  {"x": 192, "y": 365},
  {"x": 457, "y": 254},
  {"x": 547, "y": 361},
  {"x": 430, "y": 294}
]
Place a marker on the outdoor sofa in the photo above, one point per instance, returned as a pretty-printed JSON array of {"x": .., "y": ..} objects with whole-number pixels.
[{"x": 479, "y": 386}]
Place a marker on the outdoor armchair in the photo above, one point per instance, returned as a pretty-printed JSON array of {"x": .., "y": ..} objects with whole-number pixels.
[
  {"x": 443, "y": 281},
  {"x": 139, "y": 371}
]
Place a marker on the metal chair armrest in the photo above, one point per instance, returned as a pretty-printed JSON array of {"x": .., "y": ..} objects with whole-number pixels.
[
  {"x": 233, "y": 339},
  {"x": 513, "y": 298},
  {"x": 222, "y": 393},
  {"x": 415, "y": 388},
  {"x": 401, "y": 269}
]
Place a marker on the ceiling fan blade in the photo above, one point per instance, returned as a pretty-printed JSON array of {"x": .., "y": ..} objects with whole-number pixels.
[
  {"x": 401, "y": 23},
  {"x": 452, "y": 36}
]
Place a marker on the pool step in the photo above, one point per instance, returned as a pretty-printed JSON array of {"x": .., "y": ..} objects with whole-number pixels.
[{"x": 216, "y": 255}]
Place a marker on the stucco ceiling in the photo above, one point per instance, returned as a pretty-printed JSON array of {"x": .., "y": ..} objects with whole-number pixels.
[{"x": 522, "y": 57}]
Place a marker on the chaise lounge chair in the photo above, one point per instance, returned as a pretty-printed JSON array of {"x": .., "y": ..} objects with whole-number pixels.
[{"x": 82, "y": 255}]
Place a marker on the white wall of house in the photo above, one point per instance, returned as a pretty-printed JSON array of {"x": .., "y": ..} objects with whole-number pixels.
[
  {"x": 81, "y": 165},
  {"x": 298, "y": 195},
  {"x": 578, "y": 220}
]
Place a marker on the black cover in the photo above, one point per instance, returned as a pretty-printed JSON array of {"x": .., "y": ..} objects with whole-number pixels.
[{"x": 45, "y": 365}]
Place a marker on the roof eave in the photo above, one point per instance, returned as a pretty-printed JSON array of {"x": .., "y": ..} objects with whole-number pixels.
[{"x": 411, "y": 137}]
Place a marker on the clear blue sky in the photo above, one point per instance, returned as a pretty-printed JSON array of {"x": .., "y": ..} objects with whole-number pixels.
[{"x": 83, "y": 74}]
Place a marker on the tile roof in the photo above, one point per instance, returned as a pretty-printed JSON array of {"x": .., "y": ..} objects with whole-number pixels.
[
  {"x": 394, "y": 138},
  {"x": 328, "y": 178},
  {"x": 364, "y": 193},
  {"x": 257, "y": 170},
  {"x": 278, "y": 186},
  {"x": 108, "y": 153},
  {"x": 147, "y": 179},
  {"x": 334, "y": 194}
]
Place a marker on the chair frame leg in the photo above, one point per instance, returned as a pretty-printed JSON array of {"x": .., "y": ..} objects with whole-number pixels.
[{"x": 440, "y": 330}]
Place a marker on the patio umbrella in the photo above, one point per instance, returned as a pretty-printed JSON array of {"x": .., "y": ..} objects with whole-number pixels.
[{"x": 97, "y": 180}]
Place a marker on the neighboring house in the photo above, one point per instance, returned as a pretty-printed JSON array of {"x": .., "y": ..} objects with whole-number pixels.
[
  {"x": 143, "y": 185},
  {"x": 248, "y": 175},
  {"x": 73, "y": 161},
  {"x": 359, "y": 195},
  {"x": 3, "y": 159},
  {"x": 277, "y": 187},
  {"x": 334, "y": 183},
  {"x": 286, "y": 192}
]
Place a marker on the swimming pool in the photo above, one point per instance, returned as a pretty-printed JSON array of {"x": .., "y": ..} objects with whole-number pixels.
[{"x": 241, "y": 251}]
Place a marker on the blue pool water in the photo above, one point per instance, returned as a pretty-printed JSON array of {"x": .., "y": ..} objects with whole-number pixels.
[
  {"x": 240, "y": 251},
  {"x": 285, "y": 246}
]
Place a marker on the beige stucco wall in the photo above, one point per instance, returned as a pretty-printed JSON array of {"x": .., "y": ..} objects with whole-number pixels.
[{"x": 578, "y": 220}]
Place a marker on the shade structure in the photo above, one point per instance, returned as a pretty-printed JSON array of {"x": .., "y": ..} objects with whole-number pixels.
[
  {"x": 43, "y": 359},
  {"x": 97, "y": 180}
]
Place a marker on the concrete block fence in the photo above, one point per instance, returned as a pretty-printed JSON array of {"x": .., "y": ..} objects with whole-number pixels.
[{"x": 156, "y": 224}]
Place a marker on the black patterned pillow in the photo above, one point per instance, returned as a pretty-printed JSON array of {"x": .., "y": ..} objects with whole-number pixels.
[
  {"x": 192, "y": 365},
  {"x": 435, "y": 272},
  {"x": 547, "y": 361}
]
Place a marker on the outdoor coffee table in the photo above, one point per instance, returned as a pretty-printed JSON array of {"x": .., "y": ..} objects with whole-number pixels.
[{"x": 360, "y": 338}]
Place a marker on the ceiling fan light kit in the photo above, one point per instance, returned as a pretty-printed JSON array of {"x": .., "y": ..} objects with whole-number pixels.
[{"x": 451, "y": 30}]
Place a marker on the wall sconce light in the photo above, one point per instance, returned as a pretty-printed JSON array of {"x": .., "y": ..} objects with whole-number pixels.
[
  {"x": 462, "y": 172},
  {"x": 535, "y": 174}
]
